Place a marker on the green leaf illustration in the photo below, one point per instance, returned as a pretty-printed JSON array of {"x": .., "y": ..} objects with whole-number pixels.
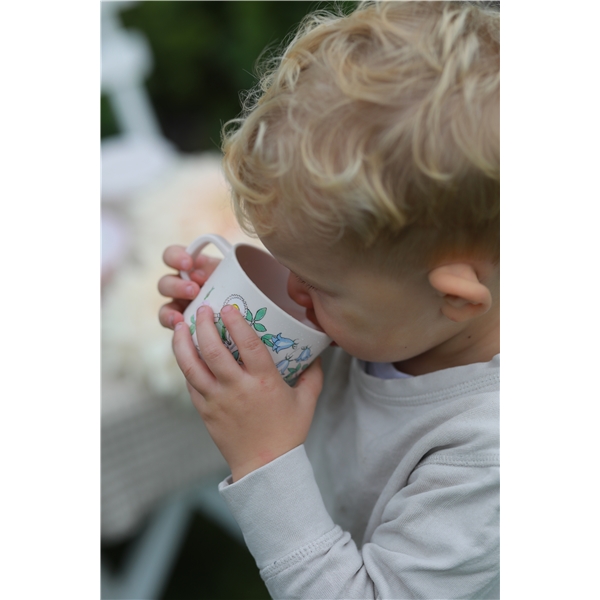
[
  {"x": 260, "y": 313},
  {"x": 222, "y": 329},
  {"x": 249, "y": 317},
  {"x": 259, "y": 327},
  {"x": 266, "y": 339},
  {"x": 192, "y": 329}
]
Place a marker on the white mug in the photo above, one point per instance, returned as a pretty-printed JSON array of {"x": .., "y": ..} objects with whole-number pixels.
[{"x": 252, "y": 281}]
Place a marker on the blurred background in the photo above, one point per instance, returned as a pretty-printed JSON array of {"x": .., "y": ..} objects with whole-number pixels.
[{"x": 171, "y": 76}]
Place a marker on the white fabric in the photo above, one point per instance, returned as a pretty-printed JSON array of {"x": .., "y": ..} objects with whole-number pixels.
[
  {"x": 383, "y": 370},
  {"x": 401, "y": 499}
]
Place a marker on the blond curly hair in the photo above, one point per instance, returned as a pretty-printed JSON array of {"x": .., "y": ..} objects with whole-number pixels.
[{"x": 379, "y": 128}]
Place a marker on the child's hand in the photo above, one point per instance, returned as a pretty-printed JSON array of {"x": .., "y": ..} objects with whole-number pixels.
[
  {"x": 182, "y": 291},
  {"x": 252, "y": 415}
]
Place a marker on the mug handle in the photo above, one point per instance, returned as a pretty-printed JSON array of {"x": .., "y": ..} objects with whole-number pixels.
[{"x": 200, "y": 243}]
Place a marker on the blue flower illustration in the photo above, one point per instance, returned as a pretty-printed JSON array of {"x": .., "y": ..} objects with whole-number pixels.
[
  {"x": 305, "y": 354},
  {"x": 282, "y": 343},
  {"x": 284, "y": 364}
]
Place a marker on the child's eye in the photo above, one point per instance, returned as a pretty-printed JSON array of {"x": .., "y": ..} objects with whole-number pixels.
[{"x": 310, "y": 287}]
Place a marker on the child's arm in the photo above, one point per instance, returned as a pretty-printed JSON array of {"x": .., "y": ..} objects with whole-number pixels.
[
  {"x": 182, "y": 292},
  {"x": 437, "y": 537}
]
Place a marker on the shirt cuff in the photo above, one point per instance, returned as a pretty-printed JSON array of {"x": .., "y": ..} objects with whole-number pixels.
[{"x": 278, "y": 507}]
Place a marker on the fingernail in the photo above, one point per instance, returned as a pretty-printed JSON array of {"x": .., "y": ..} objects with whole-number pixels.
[
  {"x": 186, "y": 264},
  {"x": 200, "y": 273},
  {"x": 190, "y": 290},
  {"x": 227, "y": 308},
  {"x": 179, "y": 326}
]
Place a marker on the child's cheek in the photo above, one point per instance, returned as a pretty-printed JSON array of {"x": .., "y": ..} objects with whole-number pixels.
[{"x": 339, "y": 320}]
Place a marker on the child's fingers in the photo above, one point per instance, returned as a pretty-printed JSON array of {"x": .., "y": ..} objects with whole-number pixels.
[
  {"x": 170, "y": 314},
  {"x": 206, "y": 264},
  {"x": 253, "y": 352},
  {"x": 195, "y": 371},
  {"x": 203, "y": 268},
  {"x": 177, "y": 258},
  {"x": 199, "y": 269},
  {"x": 214, "y": 353},
  {"x": 173, "y": 286}
]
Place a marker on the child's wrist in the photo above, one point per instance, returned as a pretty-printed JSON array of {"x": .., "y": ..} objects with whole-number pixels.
[
  {"x": 241, "y": 470},
  {"x": 238, "y": 472}
]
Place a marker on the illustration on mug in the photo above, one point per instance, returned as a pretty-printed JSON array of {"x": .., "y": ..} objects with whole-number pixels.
[{"x": 276, "y": 342}]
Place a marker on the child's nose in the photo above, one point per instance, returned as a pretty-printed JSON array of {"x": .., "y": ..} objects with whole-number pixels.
[{"x": 298, "y": 292}]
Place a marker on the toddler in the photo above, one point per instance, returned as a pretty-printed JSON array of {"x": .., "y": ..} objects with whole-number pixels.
[{"x": 367, "y": 161}]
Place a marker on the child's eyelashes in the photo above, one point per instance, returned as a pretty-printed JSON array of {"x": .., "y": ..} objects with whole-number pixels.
[{"x": 310, "y": 287}]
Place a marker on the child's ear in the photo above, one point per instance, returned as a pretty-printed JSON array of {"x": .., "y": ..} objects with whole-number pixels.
[{"x": 464, "y": 296}]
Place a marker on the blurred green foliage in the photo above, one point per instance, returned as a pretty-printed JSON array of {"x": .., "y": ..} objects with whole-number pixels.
[{"x": 204, "y": 55}]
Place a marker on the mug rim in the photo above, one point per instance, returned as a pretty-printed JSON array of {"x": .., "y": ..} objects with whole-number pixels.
[{"x": 234, "y": 248}]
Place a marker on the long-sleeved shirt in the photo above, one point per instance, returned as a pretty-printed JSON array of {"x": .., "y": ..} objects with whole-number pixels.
[{"x": 395, "y": 493}]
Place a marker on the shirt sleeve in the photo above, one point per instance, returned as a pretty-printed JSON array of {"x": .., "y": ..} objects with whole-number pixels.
[{"x": 438, "y": 537}]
